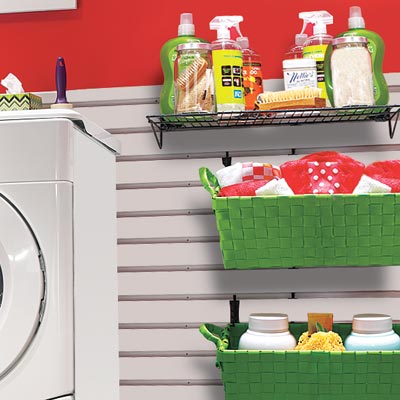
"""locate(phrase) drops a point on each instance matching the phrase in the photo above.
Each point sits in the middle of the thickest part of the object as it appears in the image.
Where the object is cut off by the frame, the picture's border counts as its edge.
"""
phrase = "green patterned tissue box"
(21, 101)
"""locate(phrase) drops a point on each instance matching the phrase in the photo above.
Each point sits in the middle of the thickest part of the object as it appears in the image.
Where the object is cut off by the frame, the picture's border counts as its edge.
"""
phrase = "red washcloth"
(326, 172)
(247, 188)
(387, 172)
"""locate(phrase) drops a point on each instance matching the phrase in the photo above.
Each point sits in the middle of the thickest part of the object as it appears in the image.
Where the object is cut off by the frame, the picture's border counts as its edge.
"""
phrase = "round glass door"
(21, 286)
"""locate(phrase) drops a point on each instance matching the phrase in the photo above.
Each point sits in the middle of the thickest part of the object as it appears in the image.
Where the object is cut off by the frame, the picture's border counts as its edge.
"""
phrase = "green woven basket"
(303, 375)
(306, 230)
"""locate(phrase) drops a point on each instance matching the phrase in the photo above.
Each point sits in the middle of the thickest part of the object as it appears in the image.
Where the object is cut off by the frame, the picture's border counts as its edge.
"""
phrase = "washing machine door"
(21, 286)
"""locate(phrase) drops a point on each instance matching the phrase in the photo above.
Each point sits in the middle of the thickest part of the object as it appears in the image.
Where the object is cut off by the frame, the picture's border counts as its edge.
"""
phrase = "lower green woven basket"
(303, 375)
(306, 230)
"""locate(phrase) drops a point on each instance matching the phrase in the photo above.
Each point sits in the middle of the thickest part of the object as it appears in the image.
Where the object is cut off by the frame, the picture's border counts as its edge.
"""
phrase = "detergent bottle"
(227, 65)
(186, 31)
(315, 46)
(376, 47)
(252, 74)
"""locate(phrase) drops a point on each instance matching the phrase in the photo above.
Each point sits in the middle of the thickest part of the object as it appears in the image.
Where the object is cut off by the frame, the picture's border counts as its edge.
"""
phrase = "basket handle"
(209, 181)
(215, 334)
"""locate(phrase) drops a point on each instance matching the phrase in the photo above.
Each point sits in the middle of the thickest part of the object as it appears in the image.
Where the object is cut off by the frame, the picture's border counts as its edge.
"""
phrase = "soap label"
(227, 65)
(252, 83)
(318, 53)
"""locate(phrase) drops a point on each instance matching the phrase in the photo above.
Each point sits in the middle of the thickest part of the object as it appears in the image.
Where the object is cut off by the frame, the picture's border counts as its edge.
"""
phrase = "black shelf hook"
(234, 309)
(227, 160)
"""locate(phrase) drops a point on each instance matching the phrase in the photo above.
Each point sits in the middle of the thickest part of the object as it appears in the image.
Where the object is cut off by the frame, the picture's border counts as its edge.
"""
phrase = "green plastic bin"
(306, 230)
(303, 375)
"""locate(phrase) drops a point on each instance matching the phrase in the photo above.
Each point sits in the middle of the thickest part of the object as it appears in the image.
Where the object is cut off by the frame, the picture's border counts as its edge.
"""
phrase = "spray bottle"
(227, 65)
(315, 46)
(168, 55)
(376, 47)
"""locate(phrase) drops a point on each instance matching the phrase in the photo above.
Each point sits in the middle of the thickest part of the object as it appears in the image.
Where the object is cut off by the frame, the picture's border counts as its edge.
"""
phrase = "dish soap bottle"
(252, 74)
(168, 55)
(296, 50)
(315, 46)
(227, 65)
(376, 47)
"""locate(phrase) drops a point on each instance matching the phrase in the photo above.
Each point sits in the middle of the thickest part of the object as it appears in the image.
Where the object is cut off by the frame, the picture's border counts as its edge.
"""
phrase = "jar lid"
(268, 323)
(194, 46)
(300, 63)
(349, 39)
(372, 323)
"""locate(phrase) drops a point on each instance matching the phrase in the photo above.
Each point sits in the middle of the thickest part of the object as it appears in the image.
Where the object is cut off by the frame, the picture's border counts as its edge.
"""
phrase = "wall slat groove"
(197, 239)
(174, 382)
(147, 354)
(170, 268)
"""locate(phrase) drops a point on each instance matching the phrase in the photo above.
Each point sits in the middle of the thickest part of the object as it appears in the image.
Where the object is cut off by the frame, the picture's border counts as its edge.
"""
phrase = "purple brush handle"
(61, 81)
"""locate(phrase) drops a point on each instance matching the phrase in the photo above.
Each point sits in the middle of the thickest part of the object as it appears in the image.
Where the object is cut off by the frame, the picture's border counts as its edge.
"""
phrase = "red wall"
(117, 43)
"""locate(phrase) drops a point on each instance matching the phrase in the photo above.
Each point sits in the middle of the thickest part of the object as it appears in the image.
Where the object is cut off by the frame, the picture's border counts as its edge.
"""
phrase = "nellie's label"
(300, 79)
(252, 83)
(228, 79)
(318, 53)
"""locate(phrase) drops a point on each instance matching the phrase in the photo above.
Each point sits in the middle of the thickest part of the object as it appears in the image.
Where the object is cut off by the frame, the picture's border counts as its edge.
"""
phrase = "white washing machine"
(58, 275)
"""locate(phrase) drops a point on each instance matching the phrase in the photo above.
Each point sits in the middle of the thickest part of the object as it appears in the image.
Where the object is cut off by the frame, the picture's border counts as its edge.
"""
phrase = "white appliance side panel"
(46, 370)
(35, 150)
(95, 280)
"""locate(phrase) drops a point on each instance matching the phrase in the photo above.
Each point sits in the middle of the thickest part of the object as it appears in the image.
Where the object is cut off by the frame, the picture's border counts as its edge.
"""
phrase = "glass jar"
(267, 332)
(351, 69)
(372, 332)
(193, 78)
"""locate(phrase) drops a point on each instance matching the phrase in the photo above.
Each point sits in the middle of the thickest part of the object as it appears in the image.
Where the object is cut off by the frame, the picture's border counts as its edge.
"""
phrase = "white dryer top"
(81, 122)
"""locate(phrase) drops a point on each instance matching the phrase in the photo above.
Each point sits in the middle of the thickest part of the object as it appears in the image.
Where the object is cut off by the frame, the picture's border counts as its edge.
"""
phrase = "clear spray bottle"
(227, 65)
(315, 46)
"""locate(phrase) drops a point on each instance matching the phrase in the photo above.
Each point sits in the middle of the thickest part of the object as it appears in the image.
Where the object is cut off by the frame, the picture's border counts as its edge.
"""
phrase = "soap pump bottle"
(252, 73)
(376, 47)
(296, 50)
(186, 33)
(315, 46)
(227, 65)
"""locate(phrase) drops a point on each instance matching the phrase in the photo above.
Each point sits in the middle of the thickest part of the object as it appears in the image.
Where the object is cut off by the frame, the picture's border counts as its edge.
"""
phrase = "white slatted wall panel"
(170, 268)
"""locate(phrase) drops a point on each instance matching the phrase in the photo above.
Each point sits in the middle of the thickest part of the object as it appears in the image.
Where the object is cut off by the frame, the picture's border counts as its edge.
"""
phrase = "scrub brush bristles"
(295, 98)
(288, 95)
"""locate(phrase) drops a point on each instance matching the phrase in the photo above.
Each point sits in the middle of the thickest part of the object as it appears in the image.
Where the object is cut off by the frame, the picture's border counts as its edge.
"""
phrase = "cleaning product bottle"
(168, 55)
(376, 47)
(296, 50)
(227, 65)
(252, 74)
(315, 46)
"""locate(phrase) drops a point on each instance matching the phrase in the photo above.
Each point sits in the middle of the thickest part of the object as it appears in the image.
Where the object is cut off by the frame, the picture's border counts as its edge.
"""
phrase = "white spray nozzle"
(319, 20)
(222, 24)
(356, 19)
(186, 26)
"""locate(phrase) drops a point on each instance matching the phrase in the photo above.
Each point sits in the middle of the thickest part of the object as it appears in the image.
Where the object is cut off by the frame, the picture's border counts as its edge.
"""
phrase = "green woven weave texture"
(306, 375)
(309, 230)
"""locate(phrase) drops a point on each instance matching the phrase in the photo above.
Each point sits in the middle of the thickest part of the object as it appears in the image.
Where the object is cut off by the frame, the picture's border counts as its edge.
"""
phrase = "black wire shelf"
(257, 118)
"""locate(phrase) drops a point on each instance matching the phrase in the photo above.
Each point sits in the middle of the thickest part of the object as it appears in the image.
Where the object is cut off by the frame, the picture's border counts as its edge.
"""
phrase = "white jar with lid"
(351, 70)
(373, 332)
(300, 73)
(267, 332)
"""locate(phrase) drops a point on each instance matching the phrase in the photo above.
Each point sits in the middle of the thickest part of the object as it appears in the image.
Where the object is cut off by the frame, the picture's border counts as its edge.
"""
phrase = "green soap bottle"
(376, 47)
(168, 55)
